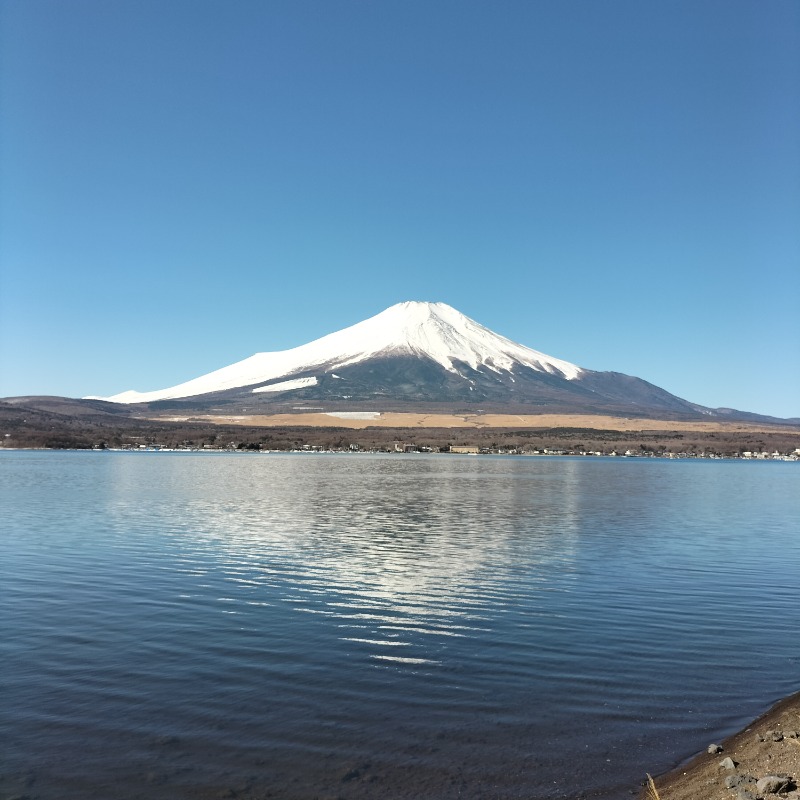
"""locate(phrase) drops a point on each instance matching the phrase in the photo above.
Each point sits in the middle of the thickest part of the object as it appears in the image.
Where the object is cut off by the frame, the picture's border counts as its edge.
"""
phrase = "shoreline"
(767, 746)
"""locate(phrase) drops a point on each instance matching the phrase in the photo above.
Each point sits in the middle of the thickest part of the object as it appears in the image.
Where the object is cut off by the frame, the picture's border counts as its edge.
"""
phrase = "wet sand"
(770, 745)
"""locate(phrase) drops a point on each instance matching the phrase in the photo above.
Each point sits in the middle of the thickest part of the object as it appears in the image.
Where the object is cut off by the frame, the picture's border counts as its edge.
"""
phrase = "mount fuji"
(422, 355)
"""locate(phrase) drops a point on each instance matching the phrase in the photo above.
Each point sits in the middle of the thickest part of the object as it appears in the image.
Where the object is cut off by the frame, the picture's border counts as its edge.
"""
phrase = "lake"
(364, 626)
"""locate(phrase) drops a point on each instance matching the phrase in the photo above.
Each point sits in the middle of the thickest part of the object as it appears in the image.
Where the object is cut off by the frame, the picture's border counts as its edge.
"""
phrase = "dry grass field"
(361, 420)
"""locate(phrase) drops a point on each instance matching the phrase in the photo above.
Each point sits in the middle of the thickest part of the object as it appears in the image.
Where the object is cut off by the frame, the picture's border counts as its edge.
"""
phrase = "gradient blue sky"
(186, 182)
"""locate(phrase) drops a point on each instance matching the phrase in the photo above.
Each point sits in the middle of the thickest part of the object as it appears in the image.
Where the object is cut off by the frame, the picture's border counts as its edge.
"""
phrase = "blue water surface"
(399, 626)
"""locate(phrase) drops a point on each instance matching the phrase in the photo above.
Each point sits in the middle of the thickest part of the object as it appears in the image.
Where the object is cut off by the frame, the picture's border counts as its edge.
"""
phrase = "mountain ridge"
(417, 354)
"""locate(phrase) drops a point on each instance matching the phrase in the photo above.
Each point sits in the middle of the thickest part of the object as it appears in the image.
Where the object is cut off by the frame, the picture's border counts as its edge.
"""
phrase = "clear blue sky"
(185, 183)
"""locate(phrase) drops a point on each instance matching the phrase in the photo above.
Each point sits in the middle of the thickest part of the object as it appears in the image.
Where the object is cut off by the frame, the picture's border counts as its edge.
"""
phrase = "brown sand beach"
(761, 761)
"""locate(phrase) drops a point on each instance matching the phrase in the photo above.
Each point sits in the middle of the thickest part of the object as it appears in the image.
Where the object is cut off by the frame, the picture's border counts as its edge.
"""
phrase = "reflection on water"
(399, 626)
(383, 548)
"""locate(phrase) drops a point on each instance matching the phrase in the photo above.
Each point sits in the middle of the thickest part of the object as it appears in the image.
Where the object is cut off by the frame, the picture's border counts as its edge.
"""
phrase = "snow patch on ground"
(297, 383)
(354, 414)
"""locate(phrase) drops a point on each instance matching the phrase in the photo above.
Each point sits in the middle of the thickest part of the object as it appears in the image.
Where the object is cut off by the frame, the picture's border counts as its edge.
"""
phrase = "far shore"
(51, 425)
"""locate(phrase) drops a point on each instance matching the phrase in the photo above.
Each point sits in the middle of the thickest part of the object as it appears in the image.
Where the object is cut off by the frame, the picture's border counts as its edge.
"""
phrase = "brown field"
(475, 421)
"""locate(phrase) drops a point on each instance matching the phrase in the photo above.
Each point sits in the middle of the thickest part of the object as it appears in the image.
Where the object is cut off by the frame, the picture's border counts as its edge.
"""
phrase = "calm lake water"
(278, 626)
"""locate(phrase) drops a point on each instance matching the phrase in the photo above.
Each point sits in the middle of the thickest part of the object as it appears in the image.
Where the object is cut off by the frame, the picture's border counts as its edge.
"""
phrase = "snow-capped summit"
(432, 331)
(447, 336)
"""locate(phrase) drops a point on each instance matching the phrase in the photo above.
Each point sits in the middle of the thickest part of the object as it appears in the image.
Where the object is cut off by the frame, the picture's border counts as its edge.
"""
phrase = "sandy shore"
(769, 746)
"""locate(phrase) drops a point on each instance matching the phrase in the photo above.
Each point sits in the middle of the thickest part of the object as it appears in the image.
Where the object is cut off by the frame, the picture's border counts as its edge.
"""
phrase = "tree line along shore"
(134, 434)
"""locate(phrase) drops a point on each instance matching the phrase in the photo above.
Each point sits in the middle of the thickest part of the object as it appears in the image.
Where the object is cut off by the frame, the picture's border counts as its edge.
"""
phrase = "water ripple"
(408, 627)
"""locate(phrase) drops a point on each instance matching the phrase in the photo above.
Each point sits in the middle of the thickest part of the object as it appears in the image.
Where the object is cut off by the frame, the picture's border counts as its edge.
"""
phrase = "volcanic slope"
(420, 355)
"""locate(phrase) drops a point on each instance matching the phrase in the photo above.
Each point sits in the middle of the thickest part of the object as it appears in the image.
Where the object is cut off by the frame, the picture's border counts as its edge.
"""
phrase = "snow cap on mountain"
(429, 330)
